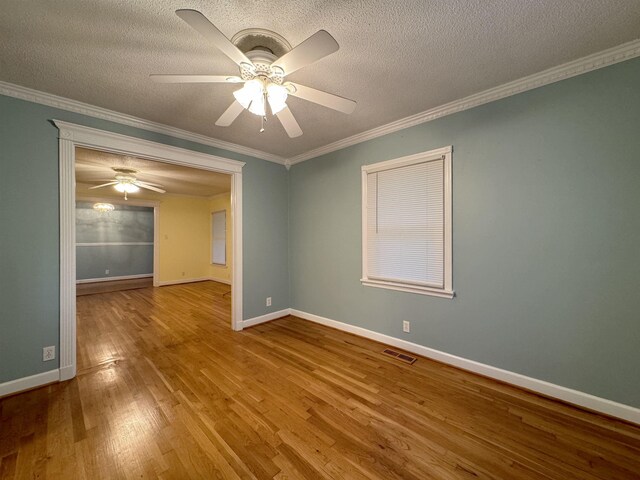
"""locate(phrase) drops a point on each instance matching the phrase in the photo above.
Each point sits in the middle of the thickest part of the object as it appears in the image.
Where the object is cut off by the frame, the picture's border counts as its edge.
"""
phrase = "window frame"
(447, 290)
(213, 249)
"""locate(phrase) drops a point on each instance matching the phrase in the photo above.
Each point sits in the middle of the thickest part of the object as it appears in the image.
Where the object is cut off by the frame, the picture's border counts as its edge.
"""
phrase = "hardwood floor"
(165, 389)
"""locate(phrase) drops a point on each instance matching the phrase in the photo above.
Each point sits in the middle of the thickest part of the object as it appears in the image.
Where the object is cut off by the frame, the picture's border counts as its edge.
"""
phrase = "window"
(406, 224)
(219, 237)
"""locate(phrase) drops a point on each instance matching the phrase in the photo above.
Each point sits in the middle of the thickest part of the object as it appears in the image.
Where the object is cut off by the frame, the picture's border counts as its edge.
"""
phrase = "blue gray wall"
(29, 230)
(546, 235)
(101, 236)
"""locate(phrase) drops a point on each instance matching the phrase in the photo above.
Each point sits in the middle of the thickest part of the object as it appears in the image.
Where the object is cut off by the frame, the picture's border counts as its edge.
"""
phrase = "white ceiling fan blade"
(317, 46)
(199, 22)
(149, 183)
(325, 99)
(230, 114)
(149, 187)
(289, 123)
(103, 185)
(195, 79)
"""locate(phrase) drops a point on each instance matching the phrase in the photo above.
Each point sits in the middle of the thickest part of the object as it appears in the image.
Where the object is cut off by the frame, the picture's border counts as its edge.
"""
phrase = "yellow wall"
(184, 235)
(217, 203)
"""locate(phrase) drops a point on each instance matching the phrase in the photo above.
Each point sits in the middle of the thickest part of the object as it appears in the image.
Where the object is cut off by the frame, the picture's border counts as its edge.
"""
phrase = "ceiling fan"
(263, 74)
(126, 182)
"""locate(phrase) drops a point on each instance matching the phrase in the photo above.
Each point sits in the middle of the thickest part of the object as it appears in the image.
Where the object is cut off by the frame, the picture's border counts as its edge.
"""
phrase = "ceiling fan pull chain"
(264, 117)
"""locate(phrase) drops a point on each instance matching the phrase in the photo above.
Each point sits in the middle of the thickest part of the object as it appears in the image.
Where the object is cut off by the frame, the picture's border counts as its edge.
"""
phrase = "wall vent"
(403, 357)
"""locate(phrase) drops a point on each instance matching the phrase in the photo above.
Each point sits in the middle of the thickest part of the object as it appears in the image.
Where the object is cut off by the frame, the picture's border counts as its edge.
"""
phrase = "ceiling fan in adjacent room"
(264, 64)
(126, 182)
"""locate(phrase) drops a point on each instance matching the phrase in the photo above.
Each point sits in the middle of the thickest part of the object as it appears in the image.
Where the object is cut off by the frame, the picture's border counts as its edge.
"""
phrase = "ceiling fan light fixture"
(257, 106)
(248, 94)
(103, 207)
(126, 187)
(277, 97)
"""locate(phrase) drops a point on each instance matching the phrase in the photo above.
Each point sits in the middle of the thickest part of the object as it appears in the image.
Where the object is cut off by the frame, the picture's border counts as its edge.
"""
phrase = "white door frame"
(71, 136)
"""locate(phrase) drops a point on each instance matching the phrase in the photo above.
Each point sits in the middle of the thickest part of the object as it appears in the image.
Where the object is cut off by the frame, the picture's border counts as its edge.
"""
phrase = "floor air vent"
(400, 356)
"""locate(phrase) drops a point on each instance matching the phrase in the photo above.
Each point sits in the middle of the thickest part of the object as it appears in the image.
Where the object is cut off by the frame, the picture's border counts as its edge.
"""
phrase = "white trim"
(237, 251)
(156, 244)
(446, 289)
(113, 279)
(72, 136)
(266, 318)
(220, 280)
(118, 201)
(565, 394)
(67, 188)
(115, 244)
(166, 283)
(602, 59)
(407, 287)
(407, 160)
(43, 98)
(123, 144)
(27, 383)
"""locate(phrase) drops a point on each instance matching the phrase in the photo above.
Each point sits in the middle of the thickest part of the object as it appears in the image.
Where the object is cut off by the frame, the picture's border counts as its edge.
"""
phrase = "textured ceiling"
(94, 168)
(395, 59)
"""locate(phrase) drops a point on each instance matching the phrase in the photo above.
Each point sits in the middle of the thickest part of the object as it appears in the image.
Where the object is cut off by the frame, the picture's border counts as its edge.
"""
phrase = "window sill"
(435, 292)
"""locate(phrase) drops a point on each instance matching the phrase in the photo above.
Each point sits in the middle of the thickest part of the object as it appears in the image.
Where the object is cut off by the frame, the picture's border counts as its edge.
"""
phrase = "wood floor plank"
(165, 389)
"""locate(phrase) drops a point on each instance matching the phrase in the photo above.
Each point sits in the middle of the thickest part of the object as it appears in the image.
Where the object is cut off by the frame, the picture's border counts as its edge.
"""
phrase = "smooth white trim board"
(568, 395)
(113, 279)
(184, 280)
(265, 318)
(220, 280)
(44, 98)
(27, 383)
(602, 59)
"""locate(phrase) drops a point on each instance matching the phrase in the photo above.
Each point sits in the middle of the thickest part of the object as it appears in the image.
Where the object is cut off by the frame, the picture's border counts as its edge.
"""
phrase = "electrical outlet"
(48, 353)
(106, 272)
(268, 301)
(406, 326)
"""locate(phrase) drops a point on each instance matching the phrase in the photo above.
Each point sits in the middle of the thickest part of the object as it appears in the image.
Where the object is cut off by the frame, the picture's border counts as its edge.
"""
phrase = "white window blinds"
(406, 223)
(219, 238)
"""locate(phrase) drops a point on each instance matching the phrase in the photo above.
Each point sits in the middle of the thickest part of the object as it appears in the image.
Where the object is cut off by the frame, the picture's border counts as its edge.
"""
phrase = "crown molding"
(614, 55)
(618, 54)
(43, 98)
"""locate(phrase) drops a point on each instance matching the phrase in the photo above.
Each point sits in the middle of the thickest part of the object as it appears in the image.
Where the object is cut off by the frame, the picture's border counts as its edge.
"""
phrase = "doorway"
(72, 136)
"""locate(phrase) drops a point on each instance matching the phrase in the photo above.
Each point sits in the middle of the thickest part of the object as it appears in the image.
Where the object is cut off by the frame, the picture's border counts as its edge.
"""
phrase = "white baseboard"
(67, 373)
(27, 383)
(265, 318)
(220, 280)
(178, 282)
(113, 279)
(568, 395)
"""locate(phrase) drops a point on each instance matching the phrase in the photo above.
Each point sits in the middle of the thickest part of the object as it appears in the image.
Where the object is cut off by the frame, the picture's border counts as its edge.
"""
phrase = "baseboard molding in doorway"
(265, 318)
(179, 282)
(29, 383)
